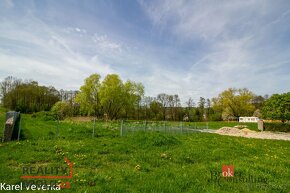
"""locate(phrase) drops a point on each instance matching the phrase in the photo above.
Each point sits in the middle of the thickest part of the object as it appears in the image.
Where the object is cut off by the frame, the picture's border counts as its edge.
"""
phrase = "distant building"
(249, 119)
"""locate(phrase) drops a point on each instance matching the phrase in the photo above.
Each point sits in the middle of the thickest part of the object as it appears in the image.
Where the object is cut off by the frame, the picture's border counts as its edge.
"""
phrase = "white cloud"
(195, 48)
(234, 33)
(45, 55)
(103, 42)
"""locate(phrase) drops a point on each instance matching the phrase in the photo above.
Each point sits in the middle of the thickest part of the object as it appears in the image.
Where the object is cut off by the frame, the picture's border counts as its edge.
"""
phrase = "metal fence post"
(206, 125)
(94, 126)
(121, 129)
(145, 124)
(18, 137)
(194, 125)
(57, 128)
(164, 124)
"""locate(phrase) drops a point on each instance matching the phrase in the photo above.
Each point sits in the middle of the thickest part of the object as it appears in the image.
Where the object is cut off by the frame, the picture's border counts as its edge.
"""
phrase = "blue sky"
(191, 48)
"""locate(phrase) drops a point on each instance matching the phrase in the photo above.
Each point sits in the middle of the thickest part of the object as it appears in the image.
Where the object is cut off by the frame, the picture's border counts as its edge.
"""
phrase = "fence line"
(160, 126)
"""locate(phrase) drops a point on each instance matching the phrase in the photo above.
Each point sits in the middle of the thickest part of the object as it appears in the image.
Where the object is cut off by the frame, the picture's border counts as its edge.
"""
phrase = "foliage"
(29, 97)
(8, 84)
(61, 110)
(88, 97)
(134, 93)
(111, 97)
(281, 127)
(234, 103)
(277, 107)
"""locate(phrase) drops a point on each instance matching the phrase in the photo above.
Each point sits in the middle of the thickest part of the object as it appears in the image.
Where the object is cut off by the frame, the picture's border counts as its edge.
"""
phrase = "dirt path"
(253, 134)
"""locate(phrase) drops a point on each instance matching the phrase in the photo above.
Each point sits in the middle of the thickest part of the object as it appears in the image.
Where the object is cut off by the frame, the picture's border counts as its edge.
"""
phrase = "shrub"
(60, 110)
(283, 127)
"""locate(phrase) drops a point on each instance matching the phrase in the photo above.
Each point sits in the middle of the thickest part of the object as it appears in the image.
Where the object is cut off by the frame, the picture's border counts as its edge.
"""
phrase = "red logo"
(228, 171)
(62, 184)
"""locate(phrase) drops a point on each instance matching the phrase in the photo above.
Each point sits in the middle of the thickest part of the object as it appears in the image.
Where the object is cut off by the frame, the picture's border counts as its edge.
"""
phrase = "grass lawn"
(147, 162)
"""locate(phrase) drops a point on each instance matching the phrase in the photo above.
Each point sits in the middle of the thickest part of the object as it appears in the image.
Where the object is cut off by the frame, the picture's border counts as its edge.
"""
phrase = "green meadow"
(148, 161)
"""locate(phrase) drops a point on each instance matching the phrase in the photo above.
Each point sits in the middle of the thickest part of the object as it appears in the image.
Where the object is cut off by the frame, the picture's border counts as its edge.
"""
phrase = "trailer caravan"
(248, 119)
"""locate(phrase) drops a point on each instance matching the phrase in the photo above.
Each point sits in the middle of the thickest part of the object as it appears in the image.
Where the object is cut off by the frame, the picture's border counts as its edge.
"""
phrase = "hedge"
(283, 127)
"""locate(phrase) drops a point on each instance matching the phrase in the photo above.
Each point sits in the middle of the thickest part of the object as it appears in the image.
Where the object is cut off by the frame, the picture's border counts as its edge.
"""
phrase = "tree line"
(113, 98)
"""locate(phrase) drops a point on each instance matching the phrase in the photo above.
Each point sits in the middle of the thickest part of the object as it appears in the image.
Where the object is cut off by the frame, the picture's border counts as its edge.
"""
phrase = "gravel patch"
(231, 131)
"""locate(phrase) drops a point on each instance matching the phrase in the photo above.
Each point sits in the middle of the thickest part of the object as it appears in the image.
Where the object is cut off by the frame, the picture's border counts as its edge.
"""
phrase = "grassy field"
(147, 161)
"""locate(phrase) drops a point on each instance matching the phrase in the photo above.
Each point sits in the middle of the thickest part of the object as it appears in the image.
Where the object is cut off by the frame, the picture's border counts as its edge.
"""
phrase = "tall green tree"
(134, 93)
(88, 97)
(277, 107)
(113, 96)
(234, 103)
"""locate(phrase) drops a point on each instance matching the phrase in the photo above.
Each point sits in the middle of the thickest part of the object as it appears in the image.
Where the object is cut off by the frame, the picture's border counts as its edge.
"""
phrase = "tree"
(29, 97)
(201, 107)
(234, 103)
(7, 85)
(258, 102)
(173, 105)
(189, 108)
(61, 110)
(134, 93)
(112, 96)
(88, 97)
(277, 107)
(163, 100)
(145, 105)
(156, 108)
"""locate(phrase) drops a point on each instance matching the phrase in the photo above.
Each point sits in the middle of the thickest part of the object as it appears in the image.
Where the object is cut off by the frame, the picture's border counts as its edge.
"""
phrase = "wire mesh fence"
(88, 127)
(162, 126)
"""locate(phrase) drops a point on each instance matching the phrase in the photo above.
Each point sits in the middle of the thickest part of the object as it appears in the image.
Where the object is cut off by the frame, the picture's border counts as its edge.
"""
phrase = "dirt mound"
(241, 126)
(252, 134)
(228, 130)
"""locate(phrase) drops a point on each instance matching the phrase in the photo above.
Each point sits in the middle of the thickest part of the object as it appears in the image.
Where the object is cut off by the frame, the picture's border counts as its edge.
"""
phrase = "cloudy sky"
(192, 48)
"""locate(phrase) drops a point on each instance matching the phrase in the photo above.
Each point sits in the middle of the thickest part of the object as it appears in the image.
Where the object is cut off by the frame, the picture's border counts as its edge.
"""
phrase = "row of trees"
(27, 96)
(113, 98)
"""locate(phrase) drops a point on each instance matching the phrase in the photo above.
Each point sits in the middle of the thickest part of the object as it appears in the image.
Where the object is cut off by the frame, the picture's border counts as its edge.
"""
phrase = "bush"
(283, 127)
(61, 110)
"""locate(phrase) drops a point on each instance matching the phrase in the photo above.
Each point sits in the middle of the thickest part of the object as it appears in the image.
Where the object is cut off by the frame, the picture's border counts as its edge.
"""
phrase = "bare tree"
(8, 84)
(164, 100)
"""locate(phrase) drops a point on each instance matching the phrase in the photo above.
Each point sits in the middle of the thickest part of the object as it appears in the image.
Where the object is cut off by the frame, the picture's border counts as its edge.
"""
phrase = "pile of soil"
(253, 134)
(228, 131)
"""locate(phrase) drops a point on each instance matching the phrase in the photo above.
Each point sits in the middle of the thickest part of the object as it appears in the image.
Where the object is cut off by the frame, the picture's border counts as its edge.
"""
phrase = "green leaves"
(88, 98)
(234, 102)
(277, 107)
(111, 98)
